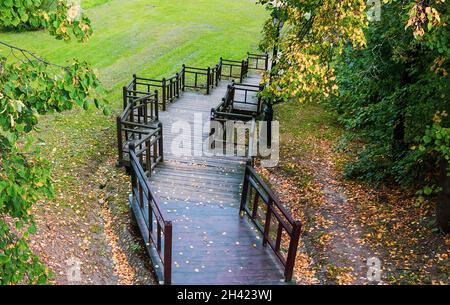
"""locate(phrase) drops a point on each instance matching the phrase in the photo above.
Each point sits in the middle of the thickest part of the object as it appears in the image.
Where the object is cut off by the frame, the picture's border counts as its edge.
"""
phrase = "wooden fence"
(202, 79)
(155, 229)
(237, 104)
(280, 231)
(138, 124)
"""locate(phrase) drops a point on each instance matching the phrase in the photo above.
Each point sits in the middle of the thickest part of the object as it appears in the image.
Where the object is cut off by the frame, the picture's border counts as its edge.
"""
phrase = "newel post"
(183, 78)
(168, 253)
(292, 253)
(208, 80)
(245, 189)
(164, 93)
(132, 150)
(125, 98)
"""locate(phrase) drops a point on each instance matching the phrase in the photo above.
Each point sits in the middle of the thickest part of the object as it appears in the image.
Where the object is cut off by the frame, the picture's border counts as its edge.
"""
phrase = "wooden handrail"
(275, 210)
(170, 88)
(146, 207)
(254, 183)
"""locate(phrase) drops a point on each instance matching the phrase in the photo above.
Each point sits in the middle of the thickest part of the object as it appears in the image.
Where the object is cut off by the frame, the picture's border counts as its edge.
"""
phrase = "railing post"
(119, 139)
(168, 253)
(217, 75)
(242, 72)
(134, 85)
(178, 85)
(132, 148)
(183, 78)
(161, 142)
(267, 61)
(125, 99)
(208, 80)
(164, 93)
(156, 105)
(292, 253)
(244, 190)
(171, 91)
(267, 222)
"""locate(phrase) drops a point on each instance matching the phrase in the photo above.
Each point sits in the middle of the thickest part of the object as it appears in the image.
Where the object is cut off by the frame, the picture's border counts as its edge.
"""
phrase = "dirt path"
(333, 250)
(347, 224)
(344, 254)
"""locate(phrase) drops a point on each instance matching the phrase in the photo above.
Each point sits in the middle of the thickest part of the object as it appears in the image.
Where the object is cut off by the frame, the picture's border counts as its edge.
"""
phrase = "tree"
(30, 87)
(387, 80)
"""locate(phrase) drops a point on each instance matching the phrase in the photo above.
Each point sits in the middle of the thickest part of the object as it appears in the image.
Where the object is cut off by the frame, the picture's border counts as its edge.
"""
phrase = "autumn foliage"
(387, 78)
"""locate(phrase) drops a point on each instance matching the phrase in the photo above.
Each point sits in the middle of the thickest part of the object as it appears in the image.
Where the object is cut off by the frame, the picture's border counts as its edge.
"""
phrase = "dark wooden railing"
(198, 78)
(281, 232)
(235, 96)
(195, 78)
(234, 69)
(154, 226)
(258, 62)
(242, 91)
(168, 88)
(138, 124)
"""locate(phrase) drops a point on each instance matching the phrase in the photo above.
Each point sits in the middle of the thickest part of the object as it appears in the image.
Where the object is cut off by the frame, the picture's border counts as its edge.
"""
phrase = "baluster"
(178, 85)
(208, 76)
(255, 204)
(155, 152)
(168, 253)
(141, 195)
(141, 155)
(132, 150)
(158, 237)
(184, 78)
(164, 93)
(149, 157)
(150, 215)
(292, 252)
(125, 99)
(245, 189)
(161, 142)
(119, 139)
(171, 90)
(279, 235)
(146, 105)
(241, 79)
(156, 107)
(267, 222)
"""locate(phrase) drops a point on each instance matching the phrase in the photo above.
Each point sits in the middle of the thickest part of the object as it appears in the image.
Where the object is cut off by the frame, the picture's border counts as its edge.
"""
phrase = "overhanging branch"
(29, 56)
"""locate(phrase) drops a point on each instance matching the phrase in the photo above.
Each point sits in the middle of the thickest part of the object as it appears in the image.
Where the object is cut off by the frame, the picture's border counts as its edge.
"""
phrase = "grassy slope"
(155, 37)
(148, 37)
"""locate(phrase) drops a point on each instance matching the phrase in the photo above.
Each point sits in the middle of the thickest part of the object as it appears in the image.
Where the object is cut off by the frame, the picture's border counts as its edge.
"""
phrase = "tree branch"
(29, 56)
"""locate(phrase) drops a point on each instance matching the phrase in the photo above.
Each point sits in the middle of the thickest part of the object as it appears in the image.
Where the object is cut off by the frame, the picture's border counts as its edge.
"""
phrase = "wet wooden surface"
(212, 244)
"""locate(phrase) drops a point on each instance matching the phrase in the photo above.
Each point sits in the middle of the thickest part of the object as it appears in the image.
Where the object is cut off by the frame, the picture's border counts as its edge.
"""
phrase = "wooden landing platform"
(212, 244)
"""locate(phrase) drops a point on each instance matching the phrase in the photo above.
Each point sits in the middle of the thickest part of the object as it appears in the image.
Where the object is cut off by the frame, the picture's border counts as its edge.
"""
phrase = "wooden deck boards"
(212, 244)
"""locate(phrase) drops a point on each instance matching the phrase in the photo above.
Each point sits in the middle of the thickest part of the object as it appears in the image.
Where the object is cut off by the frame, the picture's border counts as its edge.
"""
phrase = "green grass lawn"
(149, 37)
(154, 37)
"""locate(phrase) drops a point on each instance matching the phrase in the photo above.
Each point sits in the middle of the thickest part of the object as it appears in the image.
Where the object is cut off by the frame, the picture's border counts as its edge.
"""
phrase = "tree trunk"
(443, 201)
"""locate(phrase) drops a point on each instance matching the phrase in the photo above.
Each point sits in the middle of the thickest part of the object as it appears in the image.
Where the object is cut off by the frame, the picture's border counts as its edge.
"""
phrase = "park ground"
(345, 222)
